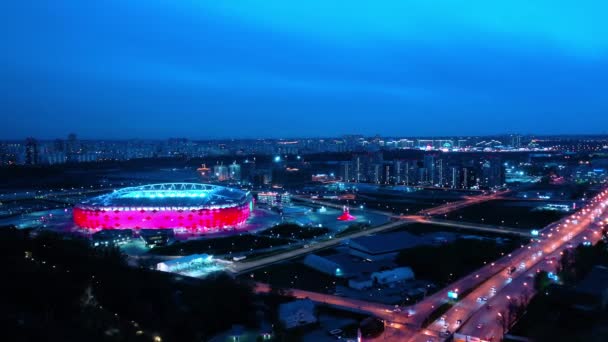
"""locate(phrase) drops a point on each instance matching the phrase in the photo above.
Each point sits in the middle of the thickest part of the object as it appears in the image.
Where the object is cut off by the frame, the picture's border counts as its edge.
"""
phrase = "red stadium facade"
(194, 207)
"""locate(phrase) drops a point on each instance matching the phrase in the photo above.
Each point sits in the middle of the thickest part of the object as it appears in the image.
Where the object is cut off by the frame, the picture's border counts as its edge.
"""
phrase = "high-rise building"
(72, 148)
(235, 171)
(31, 151)
(346, 171)
(59, 145)
(221, 172)
(515, 140)
(398, 171)
(360, 165)
(492, 172)
(430, 165)
(469, 177)
(440, 173)
(376, 173)
(410, 175)
(454, 177)
(423, 176)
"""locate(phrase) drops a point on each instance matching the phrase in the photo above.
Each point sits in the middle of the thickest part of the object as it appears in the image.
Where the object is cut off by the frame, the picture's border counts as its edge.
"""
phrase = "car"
(335, 332)
(482, 299)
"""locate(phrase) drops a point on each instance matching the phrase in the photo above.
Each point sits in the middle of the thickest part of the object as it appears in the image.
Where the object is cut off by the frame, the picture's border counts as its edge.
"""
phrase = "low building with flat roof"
(383, 246)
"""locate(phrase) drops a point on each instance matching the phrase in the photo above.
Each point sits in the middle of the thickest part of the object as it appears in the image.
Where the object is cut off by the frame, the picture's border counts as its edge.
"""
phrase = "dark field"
(293, 274)
(427, 228)
(506, 213)
(294, 231)
(223, 245)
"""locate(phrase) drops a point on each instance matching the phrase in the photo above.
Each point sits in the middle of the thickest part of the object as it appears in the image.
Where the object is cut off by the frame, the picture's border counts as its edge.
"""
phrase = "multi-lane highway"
(477, 314)
(581, 228)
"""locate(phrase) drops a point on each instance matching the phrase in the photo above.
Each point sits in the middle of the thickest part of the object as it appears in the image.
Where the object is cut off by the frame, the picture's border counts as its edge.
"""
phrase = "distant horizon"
(318, 137)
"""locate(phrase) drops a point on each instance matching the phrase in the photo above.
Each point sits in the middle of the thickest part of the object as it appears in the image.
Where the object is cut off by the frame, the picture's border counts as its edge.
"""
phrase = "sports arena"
(195, 207)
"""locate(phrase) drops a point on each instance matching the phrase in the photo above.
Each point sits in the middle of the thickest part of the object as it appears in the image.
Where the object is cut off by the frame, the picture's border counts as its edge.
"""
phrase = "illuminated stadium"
(190, 206)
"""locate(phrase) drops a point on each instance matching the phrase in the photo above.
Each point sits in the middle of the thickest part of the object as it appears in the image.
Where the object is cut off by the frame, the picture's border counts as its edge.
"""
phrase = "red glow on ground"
(346, 216)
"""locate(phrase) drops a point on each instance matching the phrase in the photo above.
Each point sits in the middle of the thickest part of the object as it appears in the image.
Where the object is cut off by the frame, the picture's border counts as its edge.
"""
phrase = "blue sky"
(204, 69)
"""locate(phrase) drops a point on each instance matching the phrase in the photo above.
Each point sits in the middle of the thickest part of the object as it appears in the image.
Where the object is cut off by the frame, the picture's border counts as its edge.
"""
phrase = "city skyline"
(214, 70)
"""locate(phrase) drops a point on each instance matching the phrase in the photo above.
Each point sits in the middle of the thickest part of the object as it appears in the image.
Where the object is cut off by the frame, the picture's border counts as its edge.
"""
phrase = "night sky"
(240, 68)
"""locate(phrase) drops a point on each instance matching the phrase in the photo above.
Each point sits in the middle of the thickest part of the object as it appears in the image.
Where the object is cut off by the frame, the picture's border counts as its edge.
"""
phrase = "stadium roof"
(171, 195)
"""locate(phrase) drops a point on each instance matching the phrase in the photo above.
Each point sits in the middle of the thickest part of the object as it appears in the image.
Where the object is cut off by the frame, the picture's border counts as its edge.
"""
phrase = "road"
(379, 310)
(252, 265)
(488, 323)
(242, 267)
(339, 206)
(537, 255)
(468, 200)
(471, 226)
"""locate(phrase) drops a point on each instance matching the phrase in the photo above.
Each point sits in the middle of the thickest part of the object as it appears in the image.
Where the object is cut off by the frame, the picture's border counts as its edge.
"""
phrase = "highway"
(471, 316)
(488, 323)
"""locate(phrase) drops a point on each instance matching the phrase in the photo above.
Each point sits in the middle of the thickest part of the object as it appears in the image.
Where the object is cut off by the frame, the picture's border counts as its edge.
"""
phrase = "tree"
(503, 321)
(512, 310)
(541, 281)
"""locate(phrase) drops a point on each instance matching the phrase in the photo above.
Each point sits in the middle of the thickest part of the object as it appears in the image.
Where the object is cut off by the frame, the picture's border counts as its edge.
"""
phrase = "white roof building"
(179, 264)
